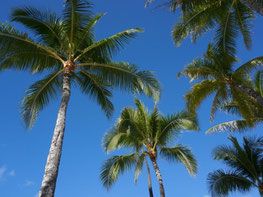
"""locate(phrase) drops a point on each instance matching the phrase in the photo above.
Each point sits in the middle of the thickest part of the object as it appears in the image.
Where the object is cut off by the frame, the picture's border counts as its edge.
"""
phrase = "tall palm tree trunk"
(159, 176)
(254, 94)
(51, 170)
(254, 5)
(149, 178)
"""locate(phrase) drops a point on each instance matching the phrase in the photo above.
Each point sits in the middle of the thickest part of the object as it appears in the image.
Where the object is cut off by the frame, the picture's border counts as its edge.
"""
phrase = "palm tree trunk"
(254, 5)
(51, 170)
(159, 176)
(254, 94)
(149, 178)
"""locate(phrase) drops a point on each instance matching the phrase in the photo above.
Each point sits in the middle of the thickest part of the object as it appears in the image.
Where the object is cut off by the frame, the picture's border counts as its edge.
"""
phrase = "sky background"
(23, 152)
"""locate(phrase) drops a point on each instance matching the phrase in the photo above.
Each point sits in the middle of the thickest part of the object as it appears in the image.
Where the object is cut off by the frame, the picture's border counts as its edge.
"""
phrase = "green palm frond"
(20, 52)
(126, 77)
(45, 25)
(249, 66)
(153, 121)
(138, 168)
(226, 34)
(76, 16)
(115, 166)
(171, 126)
(96, 88)
(88, 32)
(221, 182)
(195, 22)
(181, 154)
(38, 96)
(258, 85)
(244, 18)
(202, 69)
(220, 97)
(112, 44)
(199, 92)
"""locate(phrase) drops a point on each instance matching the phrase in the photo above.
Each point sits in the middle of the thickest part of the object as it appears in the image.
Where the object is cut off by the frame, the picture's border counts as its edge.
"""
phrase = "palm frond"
(221, 183)
(44, 24)
(226, 34)
(38, 96)
(18, 51)
(199, 92)
(76, 16)
(195, 22)
(202, 69)
(258, 82)
(171, 126)
(112, 44)
(220, 97)
(88, 32)
(249, 66)
(138, 168)
(126, 77)
(235, 126)
(244, 18)
(115, 166)
(183, 155)
(96, 88)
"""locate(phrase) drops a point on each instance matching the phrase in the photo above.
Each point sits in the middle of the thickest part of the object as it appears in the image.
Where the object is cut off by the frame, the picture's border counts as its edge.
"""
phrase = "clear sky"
(23, 152)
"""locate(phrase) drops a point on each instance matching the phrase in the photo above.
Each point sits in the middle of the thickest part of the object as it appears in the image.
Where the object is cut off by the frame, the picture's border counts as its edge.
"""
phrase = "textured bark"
(51, 170)
(159, 176)
(250, 92)
(149, 178)
(254, 5)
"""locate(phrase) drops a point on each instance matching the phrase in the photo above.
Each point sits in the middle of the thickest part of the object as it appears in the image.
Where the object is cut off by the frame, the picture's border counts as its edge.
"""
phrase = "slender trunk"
(254, 5)
(254, 94)
(51, 170)
(159, 176)
(149, 178)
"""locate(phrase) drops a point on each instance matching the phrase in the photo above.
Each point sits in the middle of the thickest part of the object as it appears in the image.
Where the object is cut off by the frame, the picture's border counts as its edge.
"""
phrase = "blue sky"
(23, 152)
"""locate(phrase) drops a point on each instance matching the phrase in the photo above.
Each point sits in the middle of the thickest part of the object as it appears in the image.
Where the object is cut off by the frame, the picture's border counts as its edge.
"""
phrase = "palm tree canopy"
(252, 119)
(245, 164)
(138, 129)
(67, 42)
(215, 75)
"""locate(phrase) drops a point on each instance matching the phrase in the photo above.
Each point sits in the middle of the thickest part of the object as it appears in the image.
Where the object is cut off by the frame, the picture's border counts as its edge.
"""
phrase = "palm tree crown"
(68, 43)
(215, 73)
(148, 134)
(245, 168)
(252, 119)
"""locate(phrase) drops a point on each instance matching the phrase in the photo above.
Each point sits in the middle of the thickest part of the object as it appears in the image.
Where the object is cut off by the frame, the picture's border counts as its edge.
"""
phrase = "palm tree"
(215, 74)
(245, 164)
(65, 47)
(235, 109)
(149, 133)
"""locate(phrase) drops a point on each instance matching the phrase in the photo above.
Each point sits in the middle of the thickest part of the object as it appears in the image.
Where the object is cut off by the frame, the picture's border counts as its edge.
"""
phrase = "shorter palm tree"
(246, 168)
(147, 134)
